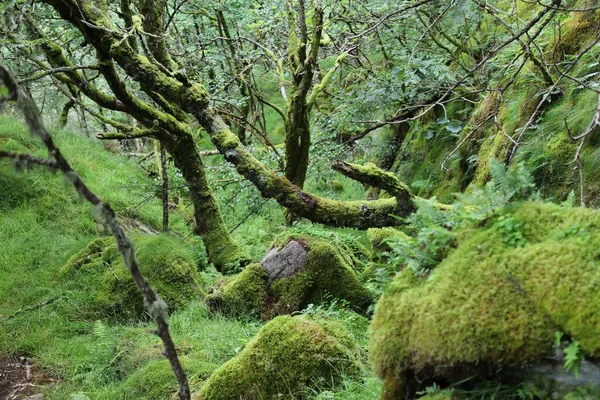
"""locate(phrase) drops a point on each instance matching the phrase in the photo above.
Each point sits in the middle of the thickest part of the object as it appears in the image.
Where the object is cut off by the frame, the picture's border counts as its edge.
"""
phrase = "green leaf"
(454, 126)
(573, 357)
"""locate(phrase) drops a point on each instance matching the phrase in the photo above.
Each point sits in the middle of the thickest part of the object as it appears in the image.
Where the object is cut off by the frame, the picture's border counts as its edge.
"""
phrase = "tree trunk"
(222, 251)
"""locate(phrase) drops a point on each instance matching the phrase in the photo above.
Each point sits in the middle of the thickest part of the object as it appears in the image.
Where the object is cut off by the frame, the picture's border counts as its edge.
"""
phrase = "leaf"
(573, 357)
(454, 126)
(428, 134)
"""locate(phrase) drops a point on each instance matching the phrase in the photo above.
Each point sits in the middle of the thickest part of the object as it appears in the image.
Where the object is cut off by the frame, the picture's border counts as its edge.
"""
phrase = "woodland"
(294, 199)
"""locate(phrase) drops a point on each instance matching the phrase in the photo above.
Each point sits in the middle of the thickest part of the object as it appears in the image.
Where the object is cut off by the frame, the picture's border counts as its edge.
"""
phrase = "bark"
(165, 187)
(222, 250)
(194, 99)
(174, 132)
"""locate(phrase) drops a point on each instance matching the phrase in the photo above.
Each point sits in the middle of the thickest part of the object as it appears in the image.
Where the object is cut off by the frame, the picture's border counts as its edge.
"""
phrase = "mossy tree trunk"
(182, 96)
(164, 121)
(302, 63)
(222, 250)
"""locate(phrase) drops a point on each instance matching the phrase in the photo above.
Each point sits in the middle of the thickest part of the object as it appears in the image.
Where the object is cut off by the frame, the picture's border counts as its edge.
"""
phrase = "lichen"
(288, 355)
(108, 290)
(488, 302)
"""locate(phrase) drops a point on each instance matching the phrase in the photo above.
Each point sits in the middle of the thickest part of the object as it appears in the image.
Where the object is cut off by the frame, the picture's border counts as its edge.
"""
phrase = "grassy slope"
(43, 223)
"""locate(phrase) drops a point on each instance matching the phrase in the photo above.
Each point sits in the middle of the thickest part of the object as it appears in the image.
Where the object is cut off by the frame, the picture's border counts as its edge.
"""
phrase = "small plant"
(511, 231)
(572, 353)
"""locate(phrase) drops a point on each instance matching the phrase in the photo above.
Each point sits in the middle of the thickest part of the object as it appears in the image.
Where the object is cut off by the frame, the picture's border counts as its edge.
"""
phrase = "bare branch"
(155, 306)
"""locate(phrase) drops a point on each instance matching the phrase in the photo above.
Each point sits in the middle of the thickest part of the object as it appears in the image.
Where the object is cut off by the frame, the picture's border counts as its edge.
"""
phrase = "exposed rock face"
(284, 262)
(287, 355)
(493, 305)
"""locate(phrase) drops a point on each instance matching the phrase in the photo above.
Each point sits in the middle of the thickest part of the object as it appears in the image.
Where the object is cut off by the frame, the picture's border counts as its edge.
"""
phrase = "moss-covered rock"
(328, 272)
(242, 295)
(299, 270)
(488, 302)
(379, 239)
(156, 380)
(288, 355)
(105, 288)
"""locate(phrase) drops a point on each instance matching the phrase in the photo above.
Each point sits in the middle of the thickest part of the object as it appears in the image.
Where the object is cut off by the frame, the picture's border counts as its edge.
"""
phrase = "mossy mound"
(299, 270)
(156, 380)
(379, 237)
(328, 273)
(439, 396)
(103, 288)
(243, 294)
(287, 355)
(489, 302)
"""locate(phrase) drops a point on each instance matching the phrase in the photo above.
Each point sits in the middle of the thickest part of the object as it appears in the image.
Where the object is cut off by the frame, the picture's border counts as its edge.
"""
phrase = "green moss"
(287, 355)
(243, 295)
(108, 289)
(328, 273)
(488, 301)
(156, 380)
(378, 237)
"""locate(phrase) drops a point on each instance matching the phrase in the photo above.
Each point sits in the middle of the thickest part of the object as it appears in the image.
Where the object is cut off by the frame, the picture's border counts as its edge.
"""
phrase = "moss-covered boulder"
(497, 299)
(156, 381)
(287, 356)
(241, 295)
(298, 270)
(101, 287)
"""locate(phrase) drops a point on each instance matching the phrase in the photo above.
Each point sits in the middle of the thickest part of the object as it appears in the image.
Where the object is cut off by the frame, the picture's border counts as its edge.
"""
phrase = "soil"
(19, 378)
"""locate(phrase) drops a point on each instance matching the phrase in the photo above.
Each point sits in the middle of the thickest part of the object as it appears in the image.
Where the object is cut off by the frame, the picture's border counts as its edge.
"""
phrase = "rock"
(296, 272)
(496, 301)
(244, 295)
(287, 355)
(284, 262)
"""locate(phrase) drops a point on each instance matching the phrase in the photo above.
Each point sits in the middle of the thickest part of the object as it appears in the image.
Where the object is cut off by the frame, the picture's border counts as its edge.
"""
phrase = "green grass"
(43, 223)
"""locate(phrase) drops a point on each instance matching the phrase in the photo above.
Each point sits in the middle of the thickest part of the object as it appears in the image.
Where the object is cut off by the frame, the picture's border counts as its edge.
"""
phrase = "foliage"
(488, 302)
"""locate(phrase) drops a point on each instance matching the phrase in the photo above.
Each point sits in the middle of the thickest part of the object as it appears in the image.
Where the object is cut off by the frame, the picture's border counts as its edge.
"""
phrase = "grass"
(43, 223)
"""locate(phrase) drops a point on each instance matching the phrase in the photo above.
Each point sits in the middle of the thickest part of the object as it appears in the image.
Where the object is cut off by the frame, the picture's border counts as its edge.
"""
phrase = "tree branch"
(155, 306)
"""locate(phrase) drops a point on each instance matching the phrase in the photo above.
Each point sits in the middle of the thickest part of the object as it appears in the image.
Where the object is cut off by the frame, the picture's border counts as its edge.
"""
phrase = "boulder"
(287, 356)
(296, 272)
(102, 287)
(495, 302)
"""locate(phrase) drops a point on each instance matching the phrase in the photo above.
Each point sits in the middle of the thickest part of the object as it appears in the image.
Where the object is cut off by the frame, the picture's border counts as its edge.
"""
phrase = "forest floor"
(19, 378)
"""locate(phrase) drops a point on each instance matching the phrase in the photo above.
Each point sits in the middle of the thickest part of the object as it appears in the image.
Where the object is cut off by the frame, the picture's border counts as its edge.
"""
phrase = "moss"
(287, 355)
(378, 237)
(488, 302)
(243, 295)
(329, 272)
(156, 380)
(108, 290)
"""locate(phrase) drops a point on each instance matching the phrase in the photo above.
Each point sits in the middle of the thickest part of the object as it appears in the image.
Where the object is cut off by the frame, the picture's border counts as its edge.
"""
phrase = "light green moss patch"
(288, 355)
(156, 380)
(244, 294)
(495, 299)
(108, 289)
